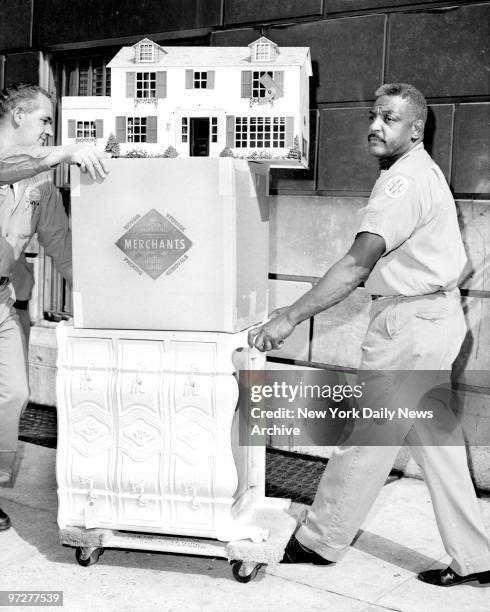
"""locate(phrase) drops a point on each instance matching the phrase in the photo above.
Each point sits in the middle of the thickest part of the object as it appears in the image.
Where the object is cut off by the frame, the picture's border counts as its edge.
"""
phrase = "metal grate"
(292, 476)
(38, 425)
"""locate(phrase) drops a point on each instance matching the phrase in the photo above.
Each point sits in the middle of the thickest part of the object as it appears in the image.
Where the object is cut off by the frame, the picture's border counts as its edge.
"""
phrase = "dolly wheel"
(88, 556)
(241, 573)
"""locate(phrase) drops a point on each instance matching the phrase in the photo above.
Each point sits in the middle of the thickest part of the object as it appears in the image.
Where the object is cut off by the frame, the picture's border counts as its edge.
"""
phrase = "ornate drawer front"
(193, 371)
(90, 387)
(84, 351)
(138, 390)
(139, 510)
(140, 355)
(139, 376)
(192, 516)
(91, 363)
(91, 431)
(85, 508)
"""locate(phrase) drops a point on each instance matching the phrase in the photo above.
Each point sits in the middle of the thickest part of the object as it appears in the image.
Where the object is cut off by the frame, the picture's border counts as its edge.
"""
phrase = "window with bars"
(136, 129)
(146, 84)
(146, 52)
(86, 129)
(214, 129)
(100, 80)
(70, 75)
(260, 132)
(84, 76)
(200, 80)
(262, 52)
(185, 129)
(258, 89)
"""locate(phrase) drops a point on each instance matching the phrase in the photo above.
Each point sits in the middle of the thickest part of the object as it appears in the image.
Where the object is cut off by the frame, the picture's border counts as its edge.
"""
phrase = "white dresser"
(148, 433)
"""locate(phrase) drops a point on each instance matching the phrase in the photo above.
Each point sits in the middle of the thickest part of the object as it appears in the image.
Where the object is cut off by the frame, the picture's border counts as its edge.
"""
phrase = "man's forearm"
(338, 282)
(17, 163)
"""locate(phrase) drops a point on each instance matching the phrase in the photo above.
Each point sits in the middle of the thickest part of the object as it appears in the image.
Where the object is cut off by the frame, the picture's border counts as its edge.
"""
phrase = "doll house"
(246, 102)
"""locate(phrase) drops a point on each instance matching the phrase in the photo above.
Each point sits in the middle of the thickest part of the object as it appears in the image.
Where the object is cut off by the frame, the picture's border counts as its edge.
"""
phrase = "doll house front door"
(199, 137)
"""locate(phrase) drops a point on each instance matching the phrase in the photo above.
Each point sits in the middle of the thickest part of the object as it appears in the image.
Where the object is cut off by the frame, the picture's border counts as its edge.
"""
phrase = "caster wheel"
(88, 556)
(241, 573)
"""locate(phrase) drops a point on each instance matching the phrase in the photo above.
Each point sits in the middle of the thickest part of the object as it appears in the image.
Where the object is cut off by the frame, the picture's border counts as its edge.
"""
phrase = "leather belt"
(4, 280)
(423, 295)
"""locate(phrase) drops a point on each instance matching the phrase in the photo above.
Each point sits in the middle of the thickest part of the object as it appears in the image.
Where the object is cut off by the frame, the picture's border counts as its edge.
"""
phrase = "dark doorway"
(199, 137)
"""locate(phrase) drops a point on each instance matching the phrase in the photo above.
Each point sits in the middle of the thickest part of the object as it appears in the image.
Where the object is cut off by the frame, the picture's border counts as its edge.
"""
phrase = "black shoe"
(297, 553)
(4, 521)
(448, 577)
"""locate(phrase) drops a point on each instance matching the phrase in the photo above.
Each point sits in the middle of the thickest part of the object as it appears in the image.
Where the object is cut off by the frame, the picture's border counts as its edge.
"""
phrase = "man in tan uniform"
(29, 203)
(409, 253)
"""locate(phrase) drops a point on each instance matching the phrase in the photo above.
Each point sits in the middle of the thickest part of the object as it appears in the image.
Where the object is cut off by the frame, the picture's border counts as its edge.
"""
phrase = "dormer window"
(262, 52)
(146, 52)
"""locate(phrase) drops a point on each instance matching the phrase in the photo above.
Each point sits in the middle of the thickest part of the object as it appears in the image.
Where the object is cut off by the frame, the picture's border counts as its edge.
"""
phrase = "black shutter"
(230, 131)
(151, 128)
(161, 85)
(246, 84)
(121, 129)
(130, 85)
(99, 128)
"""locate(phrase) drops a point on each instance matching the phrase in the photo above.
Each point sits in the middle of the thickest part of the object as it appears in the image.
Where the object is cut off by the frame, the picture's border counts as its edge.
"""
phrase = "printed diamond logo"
(154, 243)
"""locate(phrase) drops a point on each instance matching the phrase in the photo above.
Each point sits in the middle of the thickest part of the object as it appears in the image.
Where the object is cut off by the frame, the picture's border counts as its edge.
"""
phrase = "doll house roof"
(147, 53)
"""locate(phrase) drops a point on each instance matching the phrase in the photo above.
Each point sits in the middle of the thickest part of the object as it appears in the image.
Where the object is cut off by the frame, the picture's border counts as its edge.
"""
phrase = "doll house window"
(260, 132)
(146, 84)
(200, 80)
(85, 129)
(146, 52)
(258, 88)
(262, 52)
(137, 131)
(185, 129)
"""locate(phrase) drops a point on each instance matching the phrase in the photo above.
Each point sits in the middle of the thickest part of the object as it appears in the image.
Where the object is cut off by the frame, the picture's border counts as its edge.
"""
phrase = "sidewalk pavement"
(399, 538)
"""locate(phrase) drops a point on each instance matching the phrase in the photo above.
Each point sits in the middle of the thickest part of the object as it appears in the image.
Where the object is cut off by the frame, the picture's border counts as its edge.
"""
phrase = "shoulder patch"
(396, 186)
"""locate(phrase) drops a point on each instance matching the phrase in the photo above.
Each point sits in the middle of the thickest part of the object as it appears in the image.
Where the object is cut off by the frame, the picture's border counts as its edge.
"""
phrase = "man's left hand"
(271, 335)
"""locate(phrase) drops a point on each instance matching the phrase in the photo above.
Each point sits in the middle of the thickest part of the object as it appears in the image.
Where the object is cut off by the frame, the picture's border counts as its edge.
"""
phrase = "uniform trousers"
(404, 333)
(14, 389)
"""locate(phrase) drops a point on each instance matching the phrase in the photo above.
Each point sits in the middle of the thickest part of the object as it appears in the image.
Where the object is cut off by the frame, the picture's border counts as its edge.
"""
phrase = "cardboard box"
(171, 244)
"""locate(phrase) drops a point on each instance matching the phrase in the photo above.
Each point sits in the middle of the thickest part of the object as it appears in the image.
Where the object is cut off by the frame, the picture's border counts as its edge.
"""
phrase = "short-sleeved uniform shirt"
(29, 205)
(412, 208)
